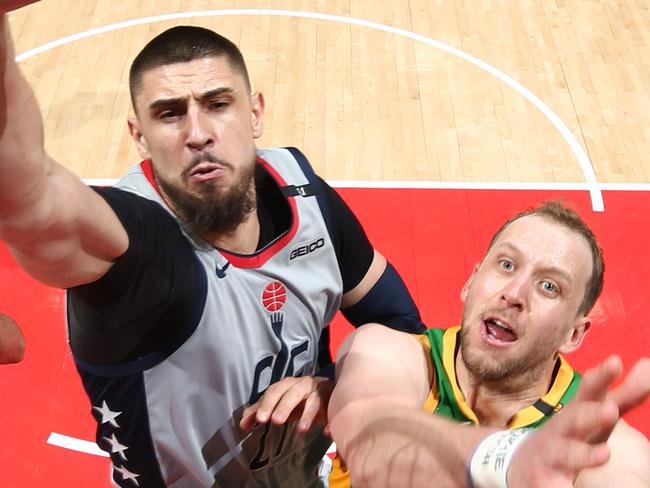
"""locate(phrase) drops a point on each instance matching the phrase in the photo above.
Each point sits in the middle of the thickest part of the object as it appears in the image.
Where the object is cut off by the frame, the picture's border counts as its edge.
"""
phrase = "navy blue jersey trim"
(152, 359)
(544, 407)
(315, 187)
(119, 406)
(387, 302)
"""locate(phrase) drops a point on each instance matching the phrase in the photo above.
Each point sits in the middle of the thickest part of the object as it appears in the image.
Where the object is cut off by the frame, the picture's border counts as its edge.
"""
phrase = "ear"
(465, 290)
(257, 114)
(577, 335)
(141, 143)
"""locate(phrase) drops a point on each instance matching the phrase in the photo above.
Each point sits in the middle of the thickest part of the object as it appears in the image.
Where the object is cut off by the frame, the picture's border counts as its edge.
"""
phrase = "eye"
(218, 105)
(550, 287)
(168, 115)
(506, 265)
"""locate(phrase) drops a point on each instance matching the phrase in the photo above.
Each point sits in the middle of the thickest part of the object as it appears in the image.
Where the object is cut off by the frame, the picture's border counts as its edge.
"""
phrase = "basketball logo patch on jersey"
(274, 296)
(282, 362)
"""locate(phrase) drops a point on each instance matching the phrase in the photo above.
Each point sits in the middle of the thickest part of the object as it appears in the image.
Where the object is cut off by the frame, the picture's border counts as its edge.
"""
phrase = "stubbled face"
(197, 122)
(521, 303)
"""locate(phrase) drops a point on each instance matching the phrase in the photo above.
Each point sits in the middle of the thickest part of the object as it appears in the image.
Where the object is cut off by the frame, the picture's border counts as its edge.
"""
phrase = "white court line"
(592, 184)
(88, 447)
(75, 444)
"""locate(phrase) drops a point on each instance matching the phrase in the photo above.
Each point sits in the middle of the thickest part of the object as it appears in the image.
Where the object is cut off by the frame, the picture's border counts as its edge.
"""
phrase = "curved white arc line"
(75, 444)
(583, 160)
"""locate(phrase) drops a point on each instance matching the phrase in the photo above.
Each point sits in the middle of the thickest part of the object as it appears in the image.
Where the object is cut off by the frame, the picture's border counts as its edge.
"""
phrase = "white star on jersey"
(116, 447)
(127, 475)
(107, 414)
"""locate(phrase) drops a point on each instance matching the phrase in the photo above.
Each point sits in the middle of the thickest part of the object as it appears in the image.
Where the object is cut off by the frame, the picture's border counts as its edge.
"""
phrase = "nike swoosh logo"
(221, 272)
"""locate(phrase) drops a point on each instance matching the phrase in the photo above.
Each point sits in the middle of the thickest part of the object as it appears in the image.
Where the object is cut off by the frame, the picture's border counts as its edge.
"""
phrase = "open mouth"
(498, 330)
(206, 171)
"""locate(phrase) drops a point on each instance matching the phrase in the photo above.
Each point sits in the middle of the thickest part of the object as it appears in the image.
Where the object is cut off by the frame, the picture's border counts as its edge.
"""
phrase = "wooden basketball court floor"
(436, 119)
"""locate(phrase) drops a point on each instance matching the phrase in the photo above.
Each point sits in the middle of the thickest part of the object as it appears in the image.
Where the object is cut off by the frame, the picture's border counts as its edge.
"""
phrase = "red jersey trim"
(259, 258)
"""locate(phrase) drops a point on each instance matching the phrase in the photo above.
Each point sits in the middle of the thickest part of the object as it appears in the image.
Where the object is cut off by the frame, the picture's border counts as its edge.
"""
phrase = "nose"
(199, 129)
(515, 292)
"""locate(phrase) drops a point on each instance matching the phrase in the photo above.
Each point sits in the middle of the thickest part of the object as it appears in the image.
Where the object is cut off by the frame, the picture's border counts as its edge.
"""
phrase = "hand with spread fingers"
(302, 399)
(576, 440)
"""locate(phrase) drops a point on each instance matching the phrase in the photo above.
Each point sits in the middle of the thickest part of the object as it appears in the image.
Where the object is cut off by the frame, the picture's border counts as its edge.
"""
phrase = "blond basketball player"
(525, 305)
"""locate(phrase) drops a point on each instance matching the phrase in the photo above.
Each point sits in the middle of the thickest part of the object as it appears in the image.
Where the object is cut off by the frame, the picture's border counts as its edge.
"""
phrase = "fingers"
(590, 422)
(283, 401)
(260, 412)
(249, 419)
(561, 448)
(635, 389)
(580, 455)
(583, 420)
(310, 411)
(596, 381)
(290, 399)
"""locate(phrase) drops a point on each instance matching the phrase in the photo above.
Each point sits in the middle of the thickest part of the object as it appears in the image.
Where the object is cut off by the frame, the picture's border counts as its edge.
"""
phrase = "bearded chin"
(214, 210)
(505, 371)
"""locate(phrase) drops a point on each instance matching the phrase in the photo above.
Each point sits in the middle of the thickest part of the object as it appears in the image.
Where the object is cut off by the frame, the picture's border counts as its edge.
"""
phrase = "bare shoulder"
(379, 338)
(629, 461)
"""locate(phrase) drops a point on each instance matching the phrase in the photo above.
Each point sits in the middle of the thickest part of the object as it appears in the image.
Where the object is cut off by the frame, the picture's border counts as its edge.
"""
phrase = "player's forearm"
(23, 163)
(388, 445)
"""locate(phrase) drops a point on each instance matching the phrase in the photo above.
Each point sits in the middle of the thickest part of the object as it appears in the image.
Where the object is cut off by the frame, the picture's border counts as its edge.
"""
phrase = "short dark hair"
(182, 44)
(557, 211)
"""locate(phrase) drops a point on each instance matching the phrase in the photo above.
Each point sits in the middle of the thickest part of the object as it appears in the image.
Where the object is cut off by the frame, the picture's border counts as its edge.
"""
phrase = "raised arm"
(386, 439)
(59, 230)
(377, 419)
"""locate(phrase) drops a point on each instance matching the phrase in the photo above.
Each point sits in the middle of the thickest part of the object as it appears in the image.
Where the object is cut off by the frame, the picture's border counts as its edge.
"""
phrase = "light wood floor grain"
(369, 104)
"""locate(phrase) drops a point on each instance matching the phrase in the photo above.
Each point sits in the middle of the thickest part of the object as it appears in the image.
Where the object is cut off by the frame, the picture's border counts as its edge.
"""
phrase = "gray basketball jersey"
(171, 419)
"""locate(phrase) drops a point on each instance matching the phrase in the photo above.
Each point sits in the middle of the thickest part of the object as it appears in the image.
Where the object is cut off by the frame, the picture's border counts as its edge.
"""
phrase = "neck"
(496, 402)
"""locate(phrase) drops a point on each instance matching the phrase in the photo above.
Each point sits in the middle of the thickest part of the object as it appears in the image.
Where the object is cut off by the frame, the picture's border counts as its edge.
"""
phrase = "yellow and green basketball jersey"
(445, 397)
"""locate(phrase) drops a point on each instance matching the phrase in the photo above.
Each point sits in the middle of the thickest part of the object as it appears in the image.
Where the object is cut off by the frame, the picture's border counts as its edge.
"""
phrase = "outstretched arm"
(377, 419)
(576, 439)
(386, 439)
(59, 230)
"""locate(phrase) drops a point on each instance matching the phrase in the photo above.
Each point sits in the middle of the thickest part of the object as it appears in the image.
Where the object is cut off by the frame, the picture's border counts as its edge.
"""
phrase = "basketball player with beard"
(209, 272)
(525, 305)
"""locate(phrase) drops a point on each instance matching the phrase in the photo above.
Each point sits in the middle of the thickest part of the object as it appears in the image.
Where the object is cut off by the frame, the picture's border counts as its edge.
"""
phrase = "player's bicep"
(377, 267)
(376, 361)
(67, 236)
(378, 370)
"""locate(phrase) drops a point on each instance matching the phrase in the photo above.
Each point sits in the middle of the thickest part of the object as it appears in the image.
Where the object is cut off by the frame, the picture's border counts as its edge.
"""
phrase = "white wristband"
(488, 467)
